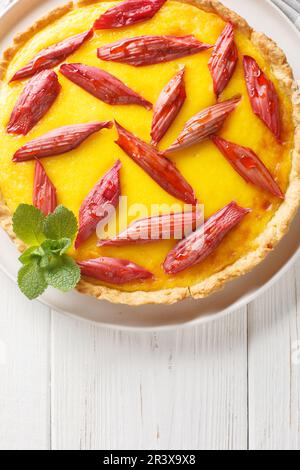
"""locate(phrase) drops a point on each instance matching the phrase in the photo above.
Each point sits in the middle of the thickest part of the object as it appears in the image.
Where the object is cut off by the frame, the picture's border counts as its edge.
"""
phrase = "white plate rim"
(201, 319)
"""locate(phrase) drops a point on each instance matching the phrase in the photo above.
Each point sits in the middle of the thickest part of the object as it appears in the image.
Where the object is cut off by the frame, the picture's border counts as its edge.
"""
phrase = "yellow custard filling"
(215, 182)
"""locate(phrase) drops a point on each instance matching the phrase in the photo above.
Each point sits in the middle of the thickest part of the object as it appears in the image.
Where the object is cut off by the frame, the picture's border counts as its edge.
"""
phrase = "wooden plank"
(274, 381)
(24, 367)
(169, 390)
(24, 371)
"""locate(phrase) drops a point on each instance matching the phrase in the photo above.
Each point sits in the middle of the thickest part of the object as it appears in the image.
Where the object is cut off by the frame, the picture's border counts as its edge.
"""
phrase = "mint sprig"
(28, 224)
(61, 224)
(45, 262)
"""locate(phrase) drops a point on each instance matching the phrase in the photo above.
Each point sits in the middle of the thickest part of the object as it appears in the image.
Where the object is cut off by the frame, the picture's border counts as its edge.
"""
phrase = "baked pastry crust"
(276, 228)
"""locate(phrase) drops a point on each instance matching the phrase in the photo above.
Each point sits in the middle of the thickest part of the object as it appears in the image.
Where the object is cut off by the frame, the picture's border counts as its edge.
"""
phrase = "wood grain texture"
(173, 390)
(24, 371)
(274, 381)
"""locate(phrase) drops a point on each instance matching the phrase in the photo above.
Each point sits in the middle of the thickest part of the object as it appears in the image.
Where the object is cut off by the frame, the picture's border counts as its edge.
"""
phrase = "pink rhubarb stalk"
(128, 13)
(248, 165)
(35, 101)
(44, 192)
(223, 60)
(161, 227)
(168, 106)
(53, 55)
(263, 96)
(102, 85)
(204, 124)
(158, 167)
(114, 271)
(97, 204)
(58, 141)
(200, 244)
(148, 50)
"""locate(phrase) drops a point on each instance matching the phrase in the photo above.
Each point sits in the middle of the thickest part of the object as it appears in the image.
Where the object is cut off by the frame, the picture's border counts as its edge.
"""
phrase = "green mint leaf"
(51, 251)
(56, 247)
(65, 244)
(29, 255)
(46, 261)
(32, 281)
(64, 275)
(28, 222)
(61, 224)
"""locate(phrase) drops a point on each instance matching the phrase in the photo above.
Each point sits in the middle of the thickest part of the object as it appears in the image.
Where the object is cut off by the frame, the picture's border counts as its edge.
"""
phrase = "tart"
(224, 131)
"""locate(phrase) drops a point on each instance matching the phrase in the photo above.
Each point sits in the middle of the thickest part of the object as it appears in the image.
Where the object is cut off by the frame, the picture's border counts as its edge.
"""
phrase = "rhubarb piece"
(204, 124)
(58, 141)
(200, 244)
(53, 55)
(102, 85)
(263, 96)
(95, 207)
(161, 227)
(44, 192)
(248, 165)
(35, 101)
(114, 271)
(156, 165)
(168, 106)
(223, 60)
(148, 50)
(128, 13)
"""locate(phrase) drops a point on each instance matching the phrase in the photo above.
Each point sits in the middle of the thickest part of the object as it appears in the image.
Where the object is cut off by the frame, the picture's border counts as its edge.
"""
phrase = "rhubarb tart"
(170, 129)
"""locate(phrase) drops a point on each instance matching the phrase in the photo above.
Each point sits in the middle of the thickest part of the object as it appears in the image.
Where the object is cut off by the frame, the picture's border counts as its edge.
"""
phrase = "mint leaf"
(64, 275)
(46, 263)
(51, 250)
(29, 255)
(32, 281)
(61, 224)
(46, 251)
(28, 222)
(57, 247)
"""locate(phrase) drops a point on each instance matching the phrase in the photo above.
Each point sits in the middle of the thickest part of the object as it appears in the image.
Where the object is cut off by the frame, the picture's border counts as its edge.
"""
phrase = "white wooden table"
(230, 384)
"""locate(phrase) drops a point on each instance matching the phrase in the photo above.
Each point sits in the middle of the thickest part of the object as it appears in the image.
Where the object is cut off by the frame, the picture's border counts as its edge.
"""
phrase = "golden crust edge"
(21, 38)
(276, 228)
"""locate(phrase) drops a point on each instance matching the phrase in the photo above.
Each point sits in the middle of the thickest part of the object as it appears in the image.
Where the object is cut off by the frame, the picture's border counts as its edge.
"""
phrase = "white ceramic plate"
(263, 16)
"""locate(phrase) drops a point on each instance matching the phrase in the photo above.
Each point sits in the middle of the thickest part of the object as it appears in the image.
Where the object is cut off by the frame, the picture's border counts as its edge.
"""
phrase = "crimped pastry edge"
(276, 228)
